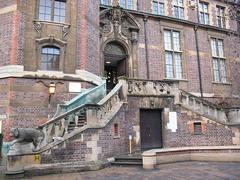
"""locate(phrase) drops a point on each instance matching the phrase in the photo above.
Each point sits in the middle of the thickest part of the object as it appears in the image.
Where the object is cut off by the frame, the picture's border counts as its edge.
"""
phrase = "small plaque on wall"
(74, 87)
(172, 125)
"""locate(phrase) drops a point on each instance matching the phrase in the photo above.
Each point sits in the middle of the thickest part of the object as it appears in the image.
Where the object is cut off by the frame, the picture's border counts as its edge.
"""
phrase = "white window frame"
(174, 52)
(179, 7)
(218, 61)
(160, 3)
(203, 12)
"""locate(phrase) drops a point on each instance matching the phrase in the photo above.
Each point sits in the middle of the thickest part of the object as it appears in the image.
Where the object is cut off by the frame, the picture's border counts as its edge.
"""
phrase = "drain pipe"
(146, 44)
(198, 60)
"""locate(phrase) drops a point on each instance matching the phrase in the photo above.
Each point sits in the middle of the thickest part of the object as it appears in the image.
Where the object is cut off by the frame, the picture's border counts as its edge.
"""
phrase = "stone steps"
(128, 160)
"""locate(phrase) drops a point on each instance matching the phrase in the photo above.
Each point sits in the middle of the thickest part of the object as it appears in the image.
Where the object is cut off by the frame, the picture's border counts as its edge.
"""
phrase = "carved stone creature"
(27, 135)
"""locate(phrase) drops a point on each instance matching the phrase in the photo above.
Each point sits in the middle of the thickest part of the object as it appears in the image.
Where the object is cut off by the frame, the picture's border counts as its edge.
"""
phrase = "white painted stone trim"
(18, 71)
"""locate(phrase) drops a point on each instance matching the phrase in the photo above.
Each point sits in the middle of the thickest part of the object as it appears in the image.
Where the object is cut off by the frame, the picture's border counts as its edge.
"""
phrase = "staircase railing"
(100, 113)
(56, 130)
(203, 107)
(88, 97)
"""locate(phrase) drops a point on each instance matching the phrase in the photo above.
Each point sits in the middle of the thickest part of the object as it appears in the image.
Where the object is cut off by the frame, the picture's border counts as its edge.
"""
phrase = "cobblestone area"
(176, 171)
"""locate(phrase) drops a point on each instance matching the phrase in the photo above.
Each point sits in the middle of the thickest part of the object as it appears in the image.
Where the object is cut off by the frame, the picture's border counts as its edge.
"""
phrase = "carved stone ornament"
(105, 26)
(27, 140)
(116, 14)
(65, 30)
(38, 27)
(118, 21)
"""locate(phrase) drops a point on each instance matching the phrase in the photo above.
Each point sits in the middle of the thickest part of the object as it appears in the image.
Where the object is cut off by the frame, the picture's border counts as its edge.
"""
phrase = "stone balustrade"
(234, 115)
(100, 113)
(140, 87)
(56, 128)
(208, 109)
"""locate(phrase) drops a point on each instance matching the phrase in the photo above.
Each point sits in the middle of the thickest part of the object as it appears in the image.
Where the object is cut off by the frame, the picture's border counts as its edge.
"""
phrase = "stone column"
(134, 54)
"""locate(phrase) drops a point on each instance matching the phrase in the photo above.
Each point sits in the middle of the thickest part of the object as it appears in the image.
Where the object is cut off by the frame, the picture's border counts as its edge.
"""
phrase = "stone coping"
(17, 71)
(194, 148)
(65, 167)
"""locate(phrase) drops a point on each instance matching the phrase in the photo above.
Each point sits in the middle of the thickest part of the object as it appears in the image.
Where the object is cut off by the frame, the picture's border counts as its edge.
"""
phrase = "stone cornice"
(172, 19)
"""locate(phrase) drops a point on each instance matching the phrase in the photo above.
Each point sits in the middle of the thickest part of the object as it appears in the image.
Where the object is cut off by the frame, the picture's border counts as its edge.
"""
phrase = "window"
(221, 17)
(105, 2)
(128, 4)
(116, 130)
(158, 7)
(197, 128)
(173, 54)
(218, 60)
(50, 57)
(52, 10)
(203, 13)
(178, 9)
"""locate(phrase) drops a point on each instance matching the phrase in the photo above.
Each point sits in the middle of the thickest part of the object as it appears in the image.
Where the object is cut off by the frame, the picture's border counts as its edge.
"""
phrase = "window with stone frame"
(50, 58)
(158, 7)
(52, 10)
(218, 61)
(178, 9)
(203, 13)
(116, 130)
(106, 2)
(128, 4)
(173, 54)
(197, 128)
(221, 20)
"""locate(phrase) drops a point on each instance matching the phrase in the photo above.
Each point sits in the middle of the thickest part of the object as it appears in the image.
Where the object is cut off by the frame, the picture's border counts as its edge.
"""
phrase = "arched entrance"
(115, 58)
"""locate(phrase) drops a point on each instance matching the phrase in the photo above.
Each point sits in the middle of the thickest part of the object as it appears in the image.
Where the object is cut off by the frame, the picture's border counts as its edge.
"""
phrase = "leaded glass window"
(218, 60)
(221, 17)
(52, 10)
(158, 7)
(105, 2)
(128, 4)
(203, 13)
(173, 54)
(50, 57)
(178, 9)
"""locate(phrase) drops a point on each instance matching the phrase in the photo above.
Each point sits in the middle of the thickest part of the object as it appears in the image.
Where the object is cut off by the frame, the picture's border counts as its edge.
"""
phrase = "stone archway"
(119, 31)
(115, 63)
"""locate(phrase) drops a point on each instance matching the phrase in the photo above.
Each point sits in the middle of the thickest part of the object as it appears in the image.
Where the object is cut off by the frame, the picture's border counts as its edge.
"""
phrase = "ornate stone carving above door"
(118, 20)
(119, 26)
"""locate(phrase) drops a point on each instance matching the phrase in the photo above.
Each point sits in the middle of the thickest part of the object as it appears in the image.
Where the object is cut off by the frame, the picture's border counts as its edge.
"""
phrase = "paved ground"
(177, 171)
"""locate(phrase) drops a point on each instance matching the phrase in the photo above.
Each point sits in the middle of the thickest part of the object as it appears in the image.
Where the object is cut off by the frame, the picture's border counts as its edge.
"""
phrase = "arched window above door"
(115, 50)
(50, 58)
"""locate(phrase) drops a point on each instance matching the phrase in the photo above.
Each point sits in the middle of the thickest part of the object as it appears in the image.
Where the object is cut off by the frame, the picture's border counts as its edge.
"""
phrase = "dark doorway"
(114, 63)
(150, 129)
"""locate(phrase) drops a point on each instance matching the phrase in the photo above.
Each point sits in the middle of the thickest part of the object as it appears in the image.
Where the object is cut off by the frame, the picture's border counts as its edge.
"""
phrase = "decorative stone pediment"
(118, 21)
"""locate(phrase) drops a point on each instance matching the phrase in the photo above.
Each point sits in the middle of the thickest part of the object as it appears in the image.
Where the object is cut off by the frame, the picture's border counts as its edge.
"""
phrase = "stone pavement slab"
(176, 171)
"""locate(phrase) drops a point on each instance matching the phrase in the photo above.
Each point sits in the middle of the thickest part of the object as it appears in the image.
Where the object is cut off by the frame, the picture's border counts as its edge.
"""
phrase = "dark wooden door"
(151, 129)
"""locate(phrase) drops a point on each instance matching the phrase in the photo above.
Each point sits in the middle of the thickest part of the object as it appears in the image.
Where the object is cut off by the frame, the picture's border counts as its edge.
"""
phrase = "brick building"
(165, 72)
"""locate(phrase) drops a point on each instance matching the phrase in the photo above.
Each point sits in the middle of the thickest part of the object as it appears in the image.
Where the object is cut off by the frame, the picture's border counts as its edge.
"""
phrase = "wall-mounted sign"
(172, 124)
(74, 87)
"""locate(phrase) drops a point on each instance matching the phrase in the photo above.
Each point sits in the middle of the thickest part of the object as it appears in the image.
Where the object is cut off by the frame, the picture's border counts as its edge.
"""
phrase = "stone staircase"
(125, 160)
(79, 121)
(209, 110)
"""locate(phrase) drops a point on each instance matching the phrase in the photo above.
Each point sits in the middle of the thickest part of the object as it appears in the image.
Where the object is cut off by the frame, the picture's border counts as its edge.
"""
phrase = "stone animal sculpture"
(26, 135)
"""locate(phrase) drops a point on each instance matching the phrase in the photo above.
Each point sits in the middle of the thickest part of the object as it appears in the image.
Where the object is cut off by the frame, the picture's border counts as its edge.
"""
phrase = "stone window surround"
(228, 74)
(204, 13)
(223, 18)
(67, 15)
(159, 2)
(134, 4)
(116, 131)
(184, 72)
(219, 58)
(178, 6)
(196, 125)
(54, 43)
